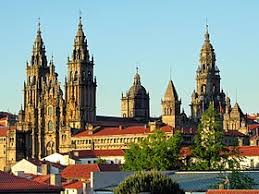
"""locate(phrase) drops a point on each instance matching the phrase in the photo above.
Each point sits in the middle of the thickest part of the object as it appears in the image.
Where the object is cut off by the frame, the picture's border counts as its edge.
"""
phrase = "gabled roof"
(237, 108)
(10, 183)
(83, 171)
(170, 93)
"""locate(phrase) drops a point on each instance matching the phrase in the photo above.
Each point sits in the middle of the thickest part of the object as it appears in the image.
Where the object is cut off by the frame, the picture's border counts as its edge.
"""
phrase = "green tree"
(156, 152)
(208, 149)
(239, 180)
(235, 180)
(150, 182)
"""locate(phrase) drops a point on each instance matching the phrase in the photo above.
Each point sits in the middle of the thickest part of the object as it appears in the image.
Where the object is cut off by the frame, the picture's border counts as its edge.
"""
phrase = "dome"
(137, 90)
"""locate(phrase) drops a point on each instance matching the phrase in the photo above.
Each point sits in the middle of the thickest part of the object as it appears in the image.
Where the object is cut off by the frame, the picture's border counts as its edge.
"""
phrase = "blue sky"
(123, 34)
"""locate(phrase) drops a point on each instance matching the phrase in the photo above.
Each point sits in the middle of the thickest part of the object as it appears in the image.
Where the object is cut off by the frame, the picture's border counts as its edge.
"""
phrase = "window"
(76, 76)
(50, 110)
(50, 126)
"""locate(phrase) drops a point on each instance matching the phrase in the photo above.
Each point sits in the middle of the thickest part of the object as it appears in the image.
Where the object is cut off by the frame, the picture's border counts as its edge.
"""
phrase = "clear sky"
(153, 34)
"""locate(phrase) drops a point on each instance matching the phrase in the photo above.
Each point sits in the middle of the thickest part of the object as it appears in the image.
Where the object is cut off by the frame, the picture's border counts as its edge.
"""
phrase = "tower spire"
(38, 51)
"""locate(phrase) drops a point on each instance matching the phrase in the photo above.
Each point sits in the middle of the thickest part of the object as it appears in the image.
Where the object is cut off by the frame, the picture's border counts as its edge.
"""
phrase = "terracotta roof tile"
(82, 171)
(3, 131)
(10, 183)
(99, 153)
(248, 150)
(253, 126)
(73, 185)
(116, 131)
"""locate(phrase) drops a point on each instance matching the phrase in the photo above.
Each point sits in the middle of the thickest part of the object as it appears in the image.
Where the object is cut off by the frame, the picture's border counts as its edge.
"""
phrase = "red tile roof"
(116, 131)
(3, 131)
(10, 183)
(73, 185)
(99, 153)
(248, 150)
(131, 130)
(38, 162)
(253, 126)
(83, 171)
(233, 191)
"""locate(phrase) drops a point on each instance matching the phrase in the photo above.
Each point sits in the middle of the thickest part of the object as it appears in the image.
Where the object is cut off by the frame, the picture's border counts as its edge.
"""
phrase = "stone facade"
(207, 82)
(135, 103)
(171, 106)
(43, 113)
(80, 87)
(234, 118)
(46, 119)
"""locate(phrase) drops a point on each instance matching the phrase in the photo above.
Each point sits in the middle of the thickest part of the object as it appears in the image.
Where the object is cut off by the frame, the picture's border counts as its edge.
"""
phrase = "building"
(135, 103)
(207, 82)
(7, 147)
(190, 181)
(36, 167)
(14, 184)
(52, 121)
(43, 114)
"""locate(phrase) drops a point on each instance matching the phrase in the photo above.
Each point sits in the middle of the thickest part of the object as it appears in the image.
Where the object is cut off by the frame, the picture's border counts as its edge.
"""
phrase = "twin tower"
(46, 116)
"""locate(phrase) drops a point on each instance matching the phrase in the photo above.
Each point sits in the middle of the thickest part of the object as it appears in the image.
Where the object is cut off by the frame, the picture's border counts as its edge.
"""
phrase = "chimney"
(45, 168)
(55, 179)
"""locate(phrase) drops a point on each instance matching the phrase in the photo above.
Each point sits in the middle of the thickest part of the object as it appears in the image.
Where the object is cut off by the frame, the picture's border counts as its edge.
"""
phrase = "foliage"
(156, 152)
(235, 180)
(208, 148)
(239, 180)
(101, 161)
(152, 182)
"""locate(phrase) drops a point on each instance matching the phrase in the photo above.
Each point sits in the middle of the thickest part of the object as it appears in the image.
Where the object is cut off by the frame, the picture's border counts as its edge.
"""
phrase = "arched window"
(76, 76)
(50, 110)
(50, 126)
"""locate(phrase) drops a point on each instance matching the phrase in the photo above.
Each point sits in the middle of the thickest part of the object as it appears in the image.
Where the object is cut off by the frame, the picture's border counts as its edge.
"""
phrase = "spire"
(207, 35)
(137, 78)
(170, 93)
(80, 51)
(207, 55)
(38, 51)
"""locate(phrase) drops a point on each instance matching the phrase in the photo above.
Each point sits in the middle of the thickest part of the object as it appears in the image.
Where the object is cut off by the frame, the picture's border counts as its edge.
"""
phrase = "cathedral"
(51, 120)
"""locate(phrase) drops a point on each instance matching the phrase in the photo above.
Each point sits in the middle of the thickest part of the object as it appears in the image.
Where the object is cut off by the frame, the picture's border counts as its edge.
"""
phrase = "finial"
(137, 69)
(80, 17)
(52, 58)
(207, 36)
(39, 25)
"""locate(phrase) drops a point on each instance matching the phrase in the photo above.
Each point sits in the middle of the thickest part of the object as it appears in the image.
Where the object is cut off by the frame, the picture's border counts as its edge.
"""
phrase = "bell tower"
(80, 84)
(207, 82)
(171, 106)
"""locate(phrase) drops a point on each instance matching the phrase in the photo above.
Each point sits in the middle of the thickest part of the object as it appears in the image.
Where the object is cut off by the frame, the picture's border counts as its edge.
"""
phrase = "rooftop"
(10, 183)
